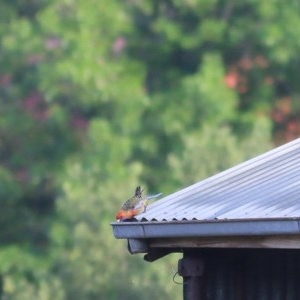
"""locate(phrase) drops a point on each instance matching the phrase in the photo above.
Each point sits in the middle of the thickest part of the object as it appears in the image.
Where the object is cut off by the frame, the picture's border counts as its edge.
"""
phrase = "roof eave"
(179, 229)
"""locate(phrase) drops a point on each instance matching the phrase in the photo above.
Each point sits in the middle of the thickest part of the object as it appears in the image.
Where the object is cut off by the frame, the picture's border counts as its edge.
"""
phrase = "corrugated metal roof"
(265, 187)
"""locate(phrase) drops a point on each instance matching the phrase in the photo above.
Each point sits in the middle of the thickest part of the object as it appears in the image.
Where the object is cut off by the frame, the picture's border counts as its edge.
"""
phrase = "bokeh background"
(97, 97)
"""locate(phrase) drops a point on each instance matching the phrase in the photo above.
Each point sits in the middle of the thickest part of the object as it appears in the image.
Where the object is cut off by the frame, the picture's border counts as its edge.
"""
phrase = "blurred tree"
(91, 263)
(228, 45)
(97, 97)
(31, 132)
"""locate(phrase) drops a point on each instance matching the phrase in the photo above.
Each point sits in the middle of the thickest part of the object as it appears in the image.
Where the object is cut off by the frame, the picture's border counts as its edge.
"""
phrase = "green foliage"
(27, 275)
(99, 96)
(93, 264)
(210, 150)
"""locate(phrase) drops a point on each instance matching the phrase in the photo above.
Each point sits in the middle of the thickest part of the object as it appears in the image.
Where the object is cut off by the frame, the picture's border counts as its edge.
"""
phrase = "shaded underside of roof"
(266, 187)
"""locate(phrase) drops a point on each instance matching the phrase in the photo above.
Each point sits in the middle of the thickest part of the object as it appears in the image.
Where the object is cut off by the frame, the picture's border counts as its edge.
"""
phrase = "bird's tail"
(149, 197)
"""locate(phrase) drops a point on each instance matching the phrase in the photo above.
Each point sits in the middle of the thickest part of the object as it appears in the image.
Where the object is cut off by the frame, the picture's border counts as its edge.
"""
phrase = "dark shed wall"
(250, 274)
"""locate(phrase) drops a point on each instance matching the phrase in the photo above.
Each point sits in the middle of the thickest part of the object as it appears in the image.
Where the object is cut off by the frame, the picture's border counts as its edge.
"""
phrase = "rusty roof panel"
(267, 186)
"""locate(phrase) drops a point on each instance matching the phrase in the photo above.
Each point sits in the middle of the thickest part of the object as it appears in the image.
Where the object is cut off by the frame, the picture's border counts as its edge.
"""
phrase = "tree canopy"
(97, 97)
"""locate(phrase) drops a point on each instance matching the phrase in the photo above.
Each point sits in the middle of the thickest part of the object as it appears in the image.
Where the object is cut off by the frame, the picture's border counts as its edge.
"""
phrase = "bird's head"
(138, 192)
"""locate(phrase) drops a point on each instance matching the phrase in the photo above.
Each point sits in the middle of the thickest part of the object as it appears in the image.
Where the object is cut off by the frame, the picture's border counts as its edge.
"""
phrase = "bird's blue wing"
(154, 196)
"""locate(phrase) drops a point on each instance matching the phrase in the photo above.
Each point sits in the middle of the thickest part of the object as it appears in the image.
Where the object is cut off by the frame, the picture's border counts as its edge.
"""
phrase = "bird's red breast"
(127, 214)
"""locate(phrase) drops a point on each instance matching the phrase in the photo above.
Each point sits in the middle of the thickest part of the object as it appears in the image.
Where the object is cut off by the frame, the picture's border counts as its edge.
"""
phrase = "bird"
(135, 205)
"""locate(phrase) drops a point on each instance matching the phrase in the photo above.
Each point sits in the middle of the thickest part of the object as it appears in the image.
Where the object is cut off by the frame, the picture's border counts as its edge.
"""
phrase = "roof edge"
(254, 227)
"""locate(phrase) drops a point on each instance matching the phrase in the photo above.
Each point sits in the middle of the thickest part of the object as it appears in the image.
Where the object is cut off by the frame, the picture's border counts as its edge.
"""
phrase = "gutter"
(184, 229)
